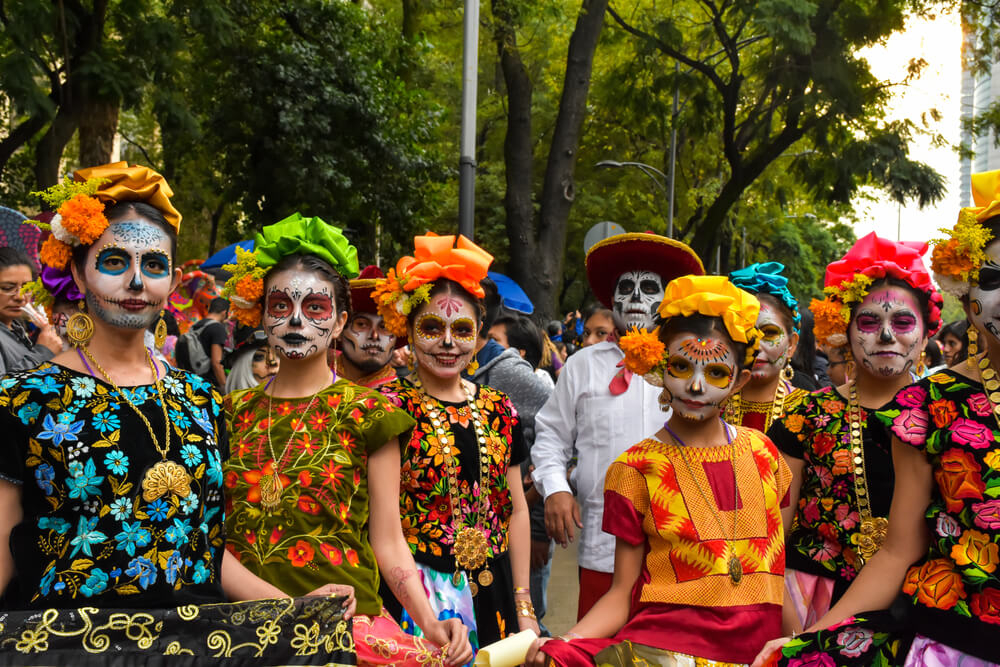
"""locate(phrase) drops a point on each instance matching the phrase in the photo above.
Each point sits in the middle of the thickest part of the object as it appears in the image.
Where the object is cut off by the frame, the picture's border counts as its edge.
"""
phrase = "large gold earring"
(79, 327)
(160, 332)
(787, 373)
(473, 366)
(665, 398)
(973, 333)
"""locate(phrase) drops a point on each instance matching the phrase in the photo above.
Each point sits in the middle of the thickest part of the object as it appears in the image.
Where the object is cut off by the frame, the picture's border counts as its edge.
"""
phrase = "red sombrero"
(361, 294)
(607, 260)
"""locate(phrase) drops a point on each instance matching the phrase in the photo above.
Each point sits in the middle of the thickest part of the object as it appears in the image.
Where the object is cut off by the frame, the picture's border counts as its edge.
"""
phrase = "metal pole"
(467, 161)
(673, 150)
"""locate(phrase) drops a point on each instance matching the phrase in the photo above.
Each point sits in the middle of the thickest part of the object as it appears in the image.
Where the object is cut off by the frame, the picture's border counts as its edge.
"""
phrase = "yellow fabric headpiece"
(125, 183)
(712, 296)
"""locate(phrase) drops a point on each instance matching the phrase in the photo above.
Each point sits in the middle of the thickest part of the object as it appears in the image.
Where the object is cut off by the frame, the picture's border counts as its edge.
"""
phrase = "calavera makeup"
(637, 297)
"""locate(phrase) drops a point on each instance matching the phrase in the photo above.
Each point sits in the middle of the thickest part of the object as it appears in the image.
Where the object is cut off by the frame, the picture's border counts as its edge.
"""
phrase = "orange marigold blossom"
(83, 217)
(935, 584)
(250, 288)
(386, 295)
(55, 253)
(247, 316)
(643, 351)
(951, 259)
(828, 319)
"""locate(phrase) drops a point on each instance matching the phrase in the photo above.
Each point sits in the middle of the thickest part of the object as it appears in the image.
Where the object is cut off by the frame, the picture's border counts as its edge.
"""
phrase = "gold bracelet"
(525, 608)
(521, 589)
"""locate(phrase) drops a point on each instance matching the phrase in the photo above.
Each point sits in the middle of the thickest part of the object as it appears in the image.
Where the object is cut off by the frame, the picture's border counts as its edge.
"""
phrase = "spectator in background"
(954, 341)
(212, 334)
(517, 331)
(931, 360)
(17, 351)
(252, 361)
(805, 357)
(599, 325)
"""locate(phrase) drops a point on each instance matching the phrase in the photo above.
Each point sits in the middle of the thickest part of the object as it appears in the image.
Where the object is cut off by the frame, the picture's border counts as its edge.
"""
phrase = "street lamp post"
(657, 177)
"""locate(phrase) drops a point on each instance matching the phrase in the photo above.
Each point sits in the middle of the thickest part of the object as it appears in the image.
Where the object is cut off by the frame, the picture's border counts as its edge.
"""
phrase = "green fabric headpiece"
(306, 236)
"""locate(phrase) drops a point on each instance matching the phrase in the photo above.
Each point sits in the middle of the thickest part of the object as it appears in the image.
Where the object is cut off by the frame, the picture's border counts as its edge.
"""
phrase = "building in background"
(978, 93)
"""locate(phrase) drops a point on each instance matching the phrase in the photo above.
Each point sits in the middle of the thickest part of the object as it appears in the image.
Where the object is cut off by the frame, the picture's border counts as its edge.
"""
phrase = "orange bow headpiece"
(434, 257)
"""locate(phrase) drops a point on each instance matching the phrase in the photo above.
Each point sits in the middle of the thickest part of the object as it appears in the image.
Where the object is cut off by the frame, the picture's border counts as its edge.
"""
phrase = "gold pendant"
(270, 492)
(485, 578)
(456, 579)
(79, 329)
(872, 536)
(735, 570)
(470, 549)
(473, 588)
(160, 333)
(165, 477)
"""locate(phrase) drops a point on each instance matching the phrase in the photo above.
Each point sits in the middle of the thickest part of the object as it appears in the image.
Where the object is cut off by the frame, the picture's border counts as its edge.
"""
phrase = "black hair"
(804, 359)
(554, 328)
(114, 211)
(317, 265)
(703, 325)
(597, 309)
(932, 353)
(13, 257)
(218, 305)
(445, 286)
(492, 305)
(522, 334)
(960, 330)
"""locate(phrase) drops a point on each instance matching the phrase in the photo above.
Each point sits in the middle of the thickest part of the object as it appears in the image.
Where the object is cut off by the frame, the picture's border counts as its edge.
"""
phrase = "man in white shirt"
(600, 408)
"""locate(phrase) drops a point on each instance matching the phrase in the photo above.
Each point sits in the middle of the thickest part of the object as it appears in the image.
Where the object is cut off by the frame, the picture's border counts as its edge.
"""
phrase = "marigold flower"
(250, 288)
(386, 295)
(643, 351)
(247, 316)
(83, 217)
(830, 325)
(55, 253)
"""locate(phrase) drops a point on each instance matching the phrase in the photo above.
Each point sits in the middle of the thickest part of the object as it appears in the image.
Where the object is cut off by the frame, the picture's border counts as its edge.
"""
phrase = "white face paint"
(776, 346)
(444, 335)
(366, 343)
(701, 373)
(128, 274)
(984, 296)
(887, 332)
(300, 316)
(637, 296)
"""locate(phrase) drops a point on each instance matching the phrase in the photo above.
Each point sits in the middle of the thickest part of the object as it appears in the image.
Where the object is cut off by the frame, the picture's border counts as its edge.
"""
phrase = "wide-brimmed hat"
(362, 288)
(607, 260)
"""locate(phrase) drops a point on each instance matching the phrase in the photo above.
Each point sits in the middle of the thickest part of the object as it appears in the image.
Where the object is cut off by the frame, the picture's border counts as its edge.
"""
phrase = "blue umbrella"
(511, 293)
(226, 256)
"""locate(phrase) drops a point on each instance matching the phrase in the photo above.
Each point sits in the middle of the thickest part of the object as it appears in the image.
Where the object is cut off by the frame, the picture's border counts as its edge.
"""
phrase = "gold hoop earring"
(973, 333)
(79, 327)
(787, 373)
(160, 332)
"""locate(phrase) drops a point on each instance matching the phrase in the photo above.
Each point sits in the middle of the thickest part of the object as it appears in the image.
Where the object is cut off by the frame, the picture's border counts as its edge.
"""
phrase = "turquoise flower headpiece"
(766, 277)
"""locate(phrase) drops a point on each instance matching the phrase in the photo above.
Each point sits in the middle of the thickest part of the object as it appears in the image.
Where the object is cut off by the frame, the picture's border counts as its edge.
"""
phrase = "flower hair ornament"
(293, 235)
(766, 278)
(956, 259)
(79, 204)
(712, 296)
(434, 257)
(848, 280)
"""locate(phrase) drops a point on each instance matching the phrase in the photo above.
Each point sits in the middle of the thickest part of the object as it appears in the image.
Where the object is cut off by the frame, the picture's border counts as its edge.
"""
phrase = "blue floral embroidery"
(44, 474)
(117, 461)
(29, 413)
(46, 385)
(201, 573)
(178, 417)
(59, 431)
(106, 421)
(121, 509)
(144, 569)
(83, 387)
(61, 526)
(214, 468)
(173, 567)
(96, 583)
(158, 509)
(189, 503)
(191, 455)
(86, 536)
(85, 480)
(46, 583)
(133, 535)
(178, 533)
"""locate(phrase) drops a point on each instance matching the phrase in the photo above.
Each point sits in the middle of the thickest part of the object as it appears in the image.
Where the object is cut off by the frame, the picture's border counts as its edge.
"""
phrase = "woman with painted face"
(881, 306)
(939, 568)
(111, 497)
(769, 393)
(252, 362)
(462, 500)
(313, 481)
(695, 508)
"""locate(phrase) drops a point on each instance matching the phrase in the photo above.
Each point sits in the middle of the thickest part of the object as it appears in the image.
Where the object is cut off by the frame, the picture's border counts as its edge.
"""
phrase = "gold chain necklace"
(734, 566)
(165, 476)
(470, 547)
(990, 381)
(873, 528)
(734, 408)
(270, 485)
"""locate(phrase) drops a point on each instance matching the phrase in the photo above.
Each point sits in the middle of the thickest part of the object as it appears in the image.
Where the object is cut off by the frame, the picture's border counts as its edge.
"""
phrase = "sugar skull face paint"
(444, 335)
(128, 274)
(984, 296)
(637, 296)
(701, 373)
(366, 343)
(777, 345)
(300, 316)
(887, 332)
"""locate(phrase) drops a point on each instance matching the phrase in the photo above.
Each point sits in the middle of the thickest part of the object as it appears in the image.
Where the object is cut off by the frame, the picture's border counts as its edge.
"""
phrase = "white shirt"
(582, 412)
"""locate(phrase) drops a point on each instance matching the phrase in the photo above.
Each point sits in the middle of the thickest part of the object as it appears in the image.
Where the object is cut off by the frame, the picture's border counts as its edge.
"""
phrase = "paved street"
(563, 587)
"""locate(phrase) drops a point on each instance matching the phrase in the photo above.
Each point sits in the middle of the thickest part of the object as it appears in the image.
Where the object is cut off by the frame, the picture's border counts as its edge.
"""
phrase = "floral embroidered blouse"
(955, 589)
(319, 532)
(425, 508)
(817, 431)
(89, 534)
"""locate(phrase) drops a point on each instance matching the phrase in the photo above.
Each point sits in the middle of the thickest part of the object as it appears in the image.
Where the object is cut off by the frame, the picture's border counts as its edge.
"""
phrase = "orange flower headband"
(80, 202)
(714, 296)
(956, 259)
(434, 257)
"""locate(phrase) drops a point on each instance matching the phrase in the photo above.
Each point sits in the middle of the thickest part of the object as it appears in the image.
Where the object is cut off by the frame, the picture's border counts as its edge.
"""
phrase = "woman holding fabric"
(769, 393)
(462, 500)
(882, 305)
(939, 568)
(111, 504)
(313, 481)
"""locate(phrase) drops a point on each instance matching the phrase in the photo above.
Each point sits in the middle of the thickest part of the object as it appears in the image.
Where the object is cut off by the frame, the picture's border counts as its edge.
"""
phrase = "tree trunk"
(48, 153)
(537, 252)
(21, 135)
(98, 125)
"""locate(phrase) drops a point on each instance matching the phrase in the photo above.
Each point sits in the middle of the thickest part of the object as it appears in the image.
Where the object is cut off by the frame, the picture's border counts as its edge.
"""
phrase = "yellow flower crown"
(957, 258)
(395, 304)
(713, 296)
